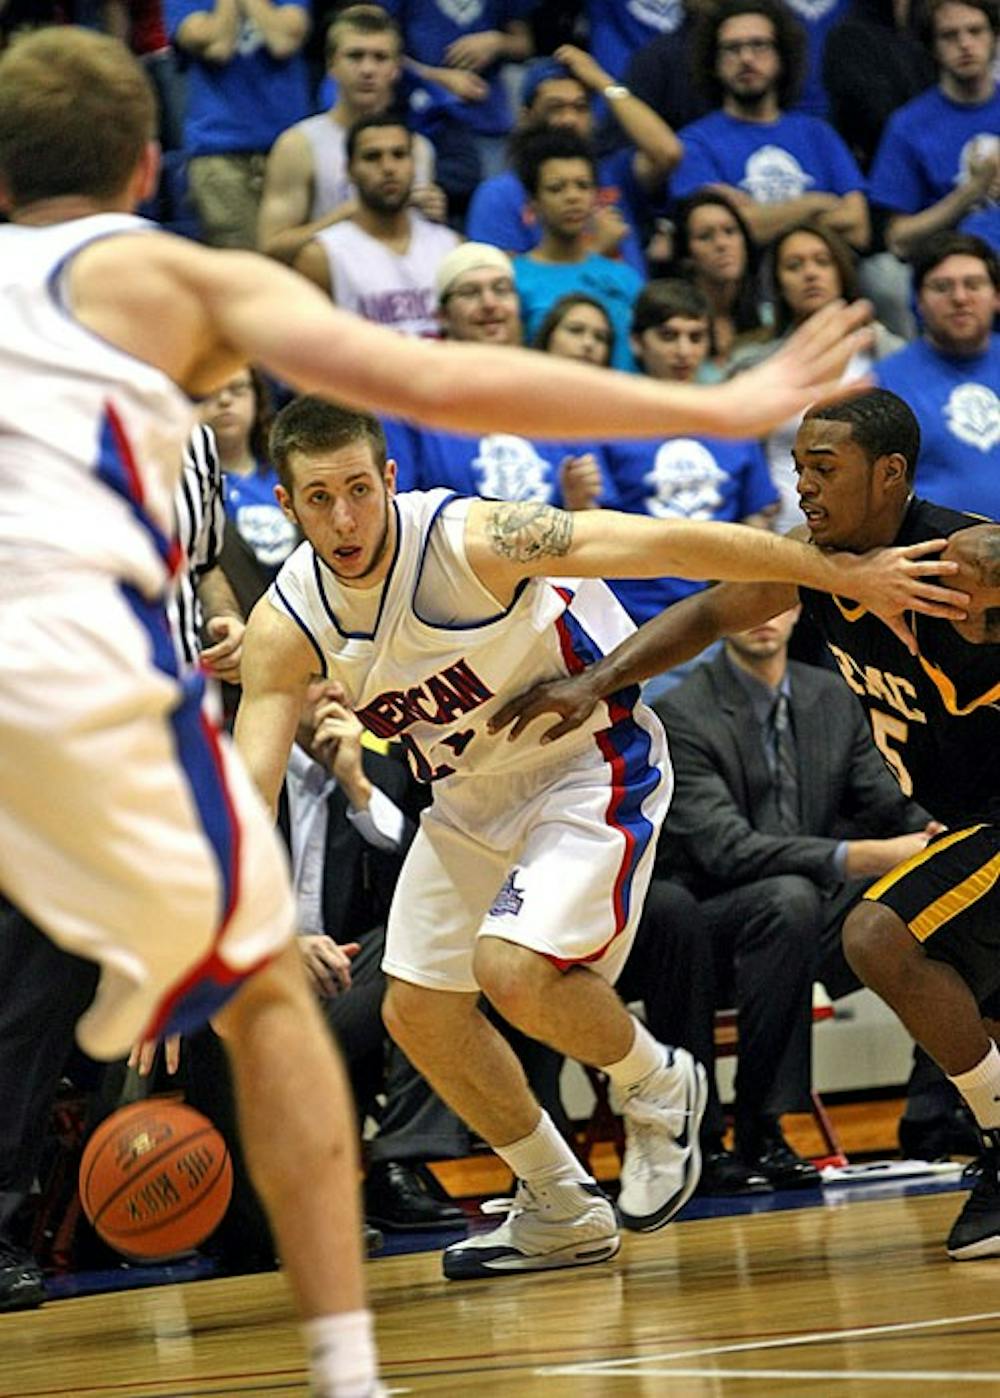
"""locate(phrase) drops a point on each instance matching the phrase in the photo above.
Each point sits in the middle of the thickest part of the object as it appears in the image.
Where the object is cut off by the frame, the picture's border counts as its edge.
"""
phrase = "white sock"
(980, 1087)
(342, 1359)
(643, 1058)
(543, 1156)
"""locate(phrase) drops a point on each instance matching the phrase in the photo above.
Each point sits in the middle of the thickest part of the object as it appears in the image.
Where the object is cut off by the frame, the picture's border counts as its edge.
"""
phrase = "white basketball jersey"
(396, 289)
(435, 687)
(331, 183)
(91, 440)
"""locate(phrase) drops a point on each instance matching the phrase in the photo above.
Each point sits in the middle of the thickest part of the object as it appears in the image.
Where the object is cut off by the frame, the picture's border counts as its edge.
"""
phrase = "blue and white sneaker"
(567, 1223)
(662, 1157)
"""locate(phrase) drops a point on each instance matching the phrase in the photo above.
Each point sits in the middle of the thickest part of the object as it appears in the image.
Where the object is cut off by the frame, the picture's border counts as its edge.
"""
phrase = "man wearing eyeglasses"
(950, 376)
(778, 166)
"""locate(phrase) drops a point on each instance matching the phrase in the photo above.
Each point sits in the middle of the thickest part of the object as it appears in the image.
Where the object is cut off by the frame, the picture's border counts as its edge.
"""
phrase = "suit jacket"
(722, 828)
(358, 879)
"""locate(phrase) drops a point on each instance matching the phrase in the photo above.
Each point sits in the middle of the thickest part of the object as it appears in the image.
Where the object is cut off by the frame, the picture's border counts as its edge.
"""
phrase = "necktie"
(786, 766)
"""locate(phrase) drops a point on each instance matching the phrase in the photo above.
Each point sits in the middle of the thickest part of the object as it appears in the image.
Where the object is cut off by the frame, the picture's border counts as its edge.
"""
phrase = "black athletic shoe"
(976, 1231)
(22, 1287)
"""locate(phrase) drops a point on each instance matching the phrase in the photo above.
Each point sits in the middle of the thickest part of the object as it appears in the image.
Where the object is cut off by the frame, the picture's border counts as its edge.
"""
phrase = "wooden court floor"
(856, 1298)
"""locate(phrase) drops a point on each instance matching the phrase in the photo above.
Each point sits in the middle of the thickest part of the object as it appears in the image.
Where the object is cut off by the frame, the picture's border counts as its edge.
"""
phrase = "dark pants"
(43, 992)
(772, 939)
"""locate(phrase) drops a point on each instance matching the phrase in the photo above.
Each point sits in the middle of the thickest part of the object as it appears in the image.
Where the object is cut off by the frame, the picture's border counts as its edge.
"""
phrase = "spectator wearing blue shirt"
(246, 81)
(951, 376)
(239, 414)
(699, 478)
(938, 164)
(619, 27)
(779, 167)
(558, 93)
(558, 170)
(462, 47)
(478, 304)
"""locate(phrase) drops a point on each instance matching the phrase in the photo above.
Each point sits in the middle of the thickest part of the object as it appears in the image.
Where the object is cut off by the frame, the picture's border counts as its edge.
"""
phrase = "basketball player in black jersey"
(926, 937)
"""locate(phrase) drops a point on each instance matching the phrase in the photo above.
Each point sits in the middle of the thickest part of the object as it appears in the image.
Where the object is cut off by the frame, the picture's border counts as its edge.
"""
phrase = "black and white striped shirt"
(201, 520)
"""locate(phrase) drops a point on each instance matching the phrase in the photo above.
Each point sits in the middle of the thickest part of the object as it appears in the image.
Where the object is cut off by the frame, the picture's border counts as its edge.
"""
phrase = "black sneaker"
(22, 1286)
(976, 1231)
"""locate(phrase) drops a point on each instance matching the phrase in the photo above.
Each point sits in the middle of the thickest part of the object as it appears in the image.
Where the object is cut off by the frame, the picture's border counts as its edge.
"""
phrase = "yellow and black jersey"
(935, 716)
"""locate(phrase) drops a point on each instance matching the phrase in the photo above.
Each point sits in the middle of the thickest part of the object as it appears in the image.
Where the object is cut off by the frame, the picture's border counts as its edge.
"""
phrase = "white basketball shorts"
(557, 859)
(128, 830)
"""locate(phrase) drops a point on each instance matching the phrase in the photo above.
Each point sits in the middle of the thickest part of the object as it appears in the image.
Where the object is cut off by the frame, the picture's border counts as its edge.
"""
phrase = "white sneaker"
(662, 1157)
(563, 1224)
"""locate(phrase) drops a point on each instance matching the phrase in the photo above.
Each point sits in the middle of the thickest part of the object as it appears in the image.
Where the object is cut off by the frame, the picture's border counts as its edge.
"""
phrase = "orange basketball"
(155, 1179)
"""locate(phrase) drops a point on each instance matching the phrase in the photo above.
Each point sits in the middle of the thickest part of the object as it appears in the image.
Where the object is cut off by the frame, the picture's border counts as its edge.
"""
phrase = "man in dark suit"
(783, 813)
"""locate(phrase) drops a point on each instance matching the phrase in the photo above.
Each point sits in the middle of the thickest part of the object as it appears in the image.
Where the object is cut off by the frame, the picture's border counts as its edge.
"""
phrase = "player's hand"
(143, 1055)
(327, 963)
(807, 369)
(431, 201)
(474, 52)
(580, 481)
(892, 582)
(583, 67)
(222, 660)
(573, 699)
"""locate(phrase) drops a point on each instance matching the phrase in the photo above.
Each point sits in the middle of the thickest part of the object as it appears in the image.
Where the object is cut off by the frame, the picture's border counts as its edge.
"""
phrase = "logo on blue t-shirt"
(664, 15)
(510, 468)
(461, 11)
(972, 413)
(685, 481)
(812, 9)
(774, 175)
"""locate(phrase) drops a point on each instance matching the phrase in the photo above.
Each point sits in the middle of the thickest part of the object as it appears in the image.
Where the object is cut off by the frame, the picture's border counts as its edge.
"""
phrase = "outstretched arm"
(215, 310)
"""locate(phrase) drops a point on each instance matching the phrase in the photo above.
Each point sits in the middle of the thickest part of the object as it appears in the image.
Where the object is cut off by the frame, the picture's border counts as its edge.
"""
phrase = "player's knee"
(515, 980)
(877, 945)
(416, 1017)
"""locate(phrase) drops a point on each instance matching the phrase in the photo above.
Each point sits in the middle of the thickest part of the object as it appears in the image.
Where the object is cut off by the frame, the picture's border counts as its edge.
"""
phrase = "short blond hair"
(76, 112)
(365, 19)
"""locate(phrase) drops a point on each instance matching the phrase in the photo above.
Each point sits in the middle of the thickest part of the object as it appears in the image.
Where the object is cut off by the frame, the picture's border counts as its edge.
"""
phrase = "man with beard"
(381, 263)
(950, 376)
(779, 167)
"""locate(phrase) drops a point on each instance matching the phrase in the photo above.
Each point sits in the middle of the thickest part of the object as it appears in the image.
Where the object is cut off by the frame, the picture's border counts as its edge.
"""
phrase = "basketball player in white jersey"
(527, 877)
(126, 829)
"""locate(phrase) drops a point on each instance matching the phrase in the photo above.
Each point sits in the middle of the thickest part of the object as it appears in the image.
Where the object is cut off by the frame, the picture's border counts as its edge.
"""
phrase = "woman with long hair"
(577, 327)
(714, 250)
(239, 414)
(810, 266)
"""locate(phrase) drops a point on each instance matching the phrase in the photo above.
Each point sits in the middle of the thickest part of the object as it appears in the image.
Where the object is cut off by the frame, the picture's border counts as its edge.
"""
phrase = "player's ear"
(893, 468)
(285, 503)
(389, 475)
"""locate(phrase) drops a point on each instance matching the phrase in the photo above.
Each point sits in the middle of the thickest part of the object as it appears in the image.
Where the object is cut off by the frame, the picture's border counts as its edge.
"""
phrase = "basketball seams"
(135, 1109)
(205, 1197)
(152, 1159)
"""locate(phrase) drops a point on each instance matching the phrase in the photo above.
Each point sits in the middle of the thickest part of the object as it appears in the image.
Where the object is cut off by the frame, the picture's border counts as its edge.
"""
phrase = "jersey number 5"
(887, 730)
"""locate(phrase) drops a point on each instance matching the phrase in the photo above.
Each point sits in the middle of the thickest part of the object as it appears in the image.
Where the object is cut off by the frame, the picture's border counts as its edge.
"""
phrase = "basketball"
(155, 1179)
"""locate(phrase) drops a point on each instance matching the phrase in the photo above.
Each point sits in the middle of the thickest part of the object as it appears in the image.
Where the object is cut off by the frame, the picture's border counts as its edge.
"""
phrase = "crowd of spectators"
(666, 187)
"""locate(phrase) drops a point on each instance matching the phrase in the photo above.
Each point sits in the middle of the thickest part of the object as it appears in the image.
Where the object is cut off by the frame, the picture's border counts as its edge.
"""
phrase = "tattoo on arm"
(528, 530)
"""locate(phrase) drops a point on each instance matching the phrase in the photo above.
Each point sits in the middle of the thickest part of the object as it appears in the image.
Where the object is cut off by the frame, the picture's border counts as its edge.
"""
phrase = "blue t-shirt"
(499, 465)
(250, 504)
(619, 27)
(924, 153)
(771, 161)
(700, 478)
(246, 103)
(500, 212)
(614, 284)
(817, 18)
(430, 26)
(957, 403)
